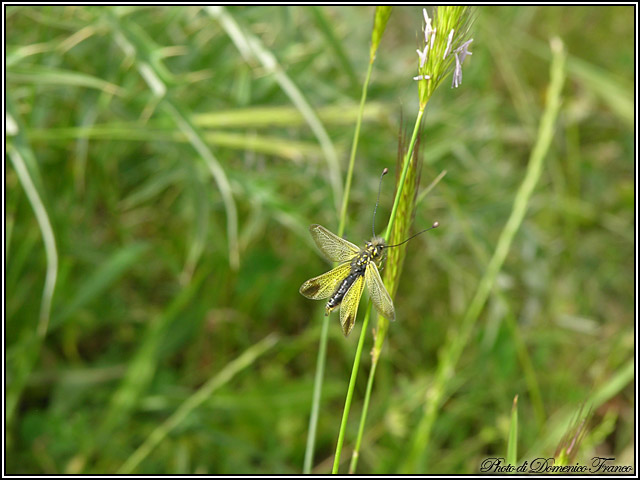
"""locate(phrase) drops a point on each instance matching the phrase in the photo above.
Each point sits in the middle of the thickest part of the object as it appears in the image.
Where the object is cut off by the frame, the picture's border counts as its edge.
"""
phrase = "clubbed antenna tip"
(435, 225)
(385, 171)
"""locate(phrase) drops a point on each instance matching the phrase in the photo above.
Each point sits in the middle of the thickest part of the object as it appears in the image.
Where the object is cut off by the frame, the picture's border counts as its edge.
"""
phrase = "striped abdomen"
(358, 266)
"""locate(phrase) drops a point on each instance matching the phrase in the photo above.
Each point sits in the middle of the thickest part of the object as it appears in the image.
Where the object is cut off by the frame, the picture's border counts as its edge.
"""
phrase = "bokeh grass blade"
(252, 49)
(223, 377)
(17, 153)
(218, 173)
(327, 28)
(269, 145)
(201, 209)
(36, 75)
(512, 443)
(286, 116)
(143, 366)
(616, 92)
(155, 74)
(103, 278)
(559, 423)
(453, 349)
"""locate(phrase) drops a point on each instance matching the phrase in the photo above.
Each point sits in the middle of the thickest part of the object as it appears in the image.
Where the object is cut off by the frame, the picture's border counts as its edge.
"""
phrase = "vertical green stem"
(356, 362)
(324, 334)
(365, 408)
(405, 169)
(352, 385)
(381, 17)
(381, 333)
(354, 148)
(317, 392)
(458, 340)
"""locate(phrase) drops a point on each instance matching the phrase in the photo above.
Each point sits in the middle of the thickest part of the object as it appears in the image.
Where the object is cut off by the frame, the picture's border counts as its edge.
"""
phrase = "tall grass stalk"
(324, 333)
(365, 323)
(435, 63)
(458, 339)
(350, 389)
(47, 236)
(381, 18)
(383, 323)
(512, 442)
(28, 355)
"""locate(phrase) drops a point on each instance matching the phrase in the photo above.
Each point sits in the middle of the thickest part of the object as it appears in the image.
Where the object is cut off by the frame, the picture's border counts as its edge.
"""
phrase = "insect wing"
(378, 293)
(324, 285)
(334, 248)
(349, 305)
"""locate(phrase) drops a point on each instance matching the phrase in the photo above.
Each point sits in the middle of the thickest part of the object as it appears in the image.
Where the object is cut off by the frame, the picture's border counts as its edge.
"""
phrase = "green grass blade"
(559, 423)
(38, 75)
(455, 346)
(350, 390)
(144, 363)
(616, 92)
(29, 355)
(512, 444)
(317, 393)
(223, 377)
(381, 18)
(252, 48)
(286, 116)
(102, 278)
(355, 456)
(288, 149)
(335, 44)
(155, 75)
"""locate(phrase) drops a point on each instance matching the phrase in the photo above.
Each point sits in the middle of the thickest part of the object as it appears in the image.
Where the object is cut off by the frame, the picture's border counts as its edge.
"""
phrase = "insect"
(344, 284)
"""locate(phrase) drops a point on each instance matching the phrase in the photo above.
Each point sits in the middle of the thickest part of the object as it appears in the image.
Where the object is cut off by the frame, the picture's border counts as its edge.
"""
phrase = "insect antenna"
(373, 224)
(435, 225)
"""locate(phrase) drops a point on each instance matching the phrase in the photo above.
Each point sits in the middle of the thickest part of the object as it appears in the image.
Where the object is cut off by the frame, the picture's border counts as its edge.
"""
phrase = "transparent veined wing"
(349, 305)
(335, 248)
(324, 285)
(378, 293)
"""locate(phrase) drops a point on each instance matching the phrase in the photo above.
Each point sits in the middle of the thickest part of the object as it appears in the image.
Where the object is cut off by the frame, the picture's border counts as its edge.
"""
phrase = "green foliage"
(146, 132)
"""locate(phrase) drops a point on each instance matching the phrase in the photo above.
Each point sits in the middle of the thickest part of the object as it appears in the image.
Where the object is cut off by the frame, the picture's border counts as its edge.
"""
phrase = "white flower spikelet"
(423, 55)
(429, 31)
(460, 53)
(463, 50)
(448, 49)
(429, 38)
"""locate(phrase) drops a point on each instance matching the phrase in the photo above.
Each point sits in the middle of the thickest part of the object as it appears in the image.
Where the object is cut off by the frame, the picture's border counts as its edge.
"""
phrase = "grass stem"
(381, 332)
(352, 385)
(383, 323)
(324, 334)
(457, 341)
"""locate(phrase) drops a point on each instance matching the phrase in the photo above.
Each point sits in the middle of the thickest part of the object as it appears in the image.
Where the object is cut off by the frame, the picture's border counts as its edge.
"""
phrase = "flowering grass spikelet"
(442, 52)
(460, 54)
(448, 49)
(423, 55)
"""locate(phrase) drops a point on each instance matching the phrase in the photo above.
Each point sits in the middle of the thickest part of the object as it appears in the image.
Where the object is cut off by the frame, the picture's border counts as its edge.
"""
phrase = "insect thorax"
(374, 250)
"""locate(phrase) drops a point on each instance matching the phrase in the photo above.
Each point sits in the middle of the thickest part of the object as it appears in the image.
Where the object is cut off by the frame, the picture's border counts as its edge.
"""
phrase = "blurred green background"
(145, 131)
